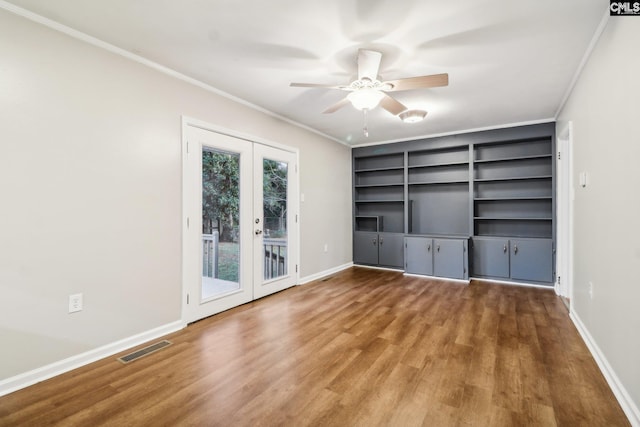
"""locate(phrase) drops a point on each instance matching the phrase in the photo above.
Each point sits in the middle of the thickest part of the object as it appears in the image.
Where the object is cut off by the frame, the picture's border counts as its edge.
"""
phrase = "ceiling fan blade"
(422, 82)
(368, 64)
(392, 105)
(315, 85)
(338, 105)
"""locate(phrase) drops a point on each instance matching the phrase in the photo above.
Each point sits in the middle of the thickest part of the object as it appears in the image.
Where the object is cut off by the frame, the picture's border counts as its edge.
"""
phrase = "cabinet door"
(532, 259)
(391, 250)
(418, 255)
(491, 257)
(448, 258)
(365, 248)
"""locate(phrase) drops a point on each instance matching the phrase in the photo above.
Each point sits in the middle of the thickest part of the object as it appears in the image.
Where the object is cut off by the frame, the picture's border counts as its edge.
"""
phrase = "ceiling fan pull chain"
(365, 129)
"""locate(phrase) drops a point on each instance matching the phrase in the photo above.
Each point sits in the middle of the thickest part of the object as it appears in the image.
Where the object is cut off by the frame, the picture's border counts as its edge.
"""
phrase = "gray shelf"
(440, 182)
(368, 223)
(439, 165)
(378, 162)
(515, 158)
(507, 199)
(511, 218)
(379, 169)
(517, 178)
(379, 201)
(438, 234)
(441, 156)
(378, 185)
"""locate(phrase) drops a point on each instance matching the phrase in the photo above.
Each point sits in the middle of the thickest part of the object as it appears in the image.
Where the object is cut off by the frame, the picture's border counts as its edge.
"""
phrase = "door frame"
(186, 211)
(565, 209)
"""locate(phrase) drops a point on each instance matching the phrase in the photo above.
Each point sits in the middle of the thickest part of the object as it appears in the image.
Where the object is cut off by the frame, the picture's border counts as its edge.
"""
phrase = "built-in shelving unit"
(378, 203)
(513, 205)
(495, 188)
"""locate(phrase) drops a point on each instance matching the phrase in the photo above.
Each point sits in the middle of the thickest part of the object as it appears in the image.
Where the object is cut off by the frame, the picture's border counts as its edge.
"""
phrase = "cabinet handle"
(429, 247)
(504, 249)
(381, 241)
(515, 249)
(438, 248)
(374, 241)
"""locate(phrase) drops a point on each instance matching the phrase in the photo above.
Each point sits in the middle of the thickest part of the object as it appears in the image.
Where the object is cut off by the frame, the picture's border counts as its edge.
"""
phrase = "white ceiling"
(509, 61)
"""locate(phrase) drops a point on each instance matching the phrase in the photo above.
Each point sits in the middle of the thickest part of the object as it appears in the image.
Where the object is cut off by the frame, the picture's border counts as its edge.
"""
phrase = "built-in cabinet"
(383, 249)
(485, 199)
(518, 259)
(436, 257)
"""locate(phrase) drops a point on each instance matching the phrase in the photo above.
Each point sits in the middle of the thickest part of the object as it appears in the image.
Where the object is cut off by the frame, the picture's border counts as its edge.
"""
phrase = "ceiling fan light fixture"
(365, 99)
(412, 116)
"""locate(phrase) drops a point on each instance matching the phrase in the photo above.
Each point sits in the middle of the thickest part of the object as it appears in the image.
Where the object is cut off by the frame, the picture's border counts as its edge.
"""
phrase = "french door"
(274, 220)
(240, 233)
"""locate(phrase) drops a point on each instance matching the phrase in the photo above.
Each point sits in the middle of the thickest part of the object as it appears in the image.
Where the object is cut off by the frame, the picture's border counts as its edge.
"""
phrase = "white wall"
(90, 179)
(605, 109)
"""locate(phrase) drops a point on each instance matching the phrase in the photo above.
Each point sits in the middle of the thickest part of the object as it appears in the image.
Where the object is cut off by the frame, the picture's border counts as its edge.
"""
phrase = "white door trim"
(564, 255)
(189, 121)
(187, 193)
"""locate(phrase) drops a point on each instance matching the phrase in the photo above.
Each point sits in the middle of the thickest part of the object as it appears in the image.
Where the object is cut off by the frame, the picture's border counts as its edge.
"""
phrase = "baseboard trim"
(508, 282)
(443, 279)
(37, 375)
(375, 267)
(325, 273)
(620, 392)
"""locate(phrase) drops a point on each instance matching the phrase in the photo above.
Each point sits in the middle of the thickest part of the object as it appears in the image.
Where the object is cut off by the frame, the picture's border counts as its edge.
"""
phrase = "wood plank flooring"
(362, 348)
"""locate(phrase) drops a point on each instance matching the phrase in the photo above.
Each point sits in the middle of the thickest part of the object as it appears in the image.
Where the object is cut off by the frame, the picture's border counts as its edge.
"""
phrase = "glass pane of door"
(274, 198)
(220, 223)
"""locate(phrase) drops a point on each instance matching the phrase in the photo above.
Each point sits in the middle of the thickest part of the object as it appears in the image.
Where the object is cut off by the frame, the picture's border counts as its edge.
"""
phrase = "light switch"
(583, 179)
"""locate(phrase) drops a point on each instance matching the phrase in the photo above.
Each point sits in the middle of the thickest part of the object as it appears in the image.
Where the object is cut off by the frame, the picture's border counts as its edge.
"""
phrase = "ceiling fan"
(367, 92)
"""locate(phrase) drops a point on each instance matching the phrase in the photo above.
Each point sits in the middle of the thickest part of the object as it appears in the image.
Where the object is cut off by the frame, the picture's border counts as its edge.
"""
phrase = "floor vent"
(144, 351)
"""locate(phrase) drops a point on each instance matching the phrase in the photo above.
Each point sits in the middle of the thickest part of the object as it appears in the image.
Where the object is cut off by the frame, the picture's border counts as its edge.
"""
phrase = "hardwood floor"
(364, 348)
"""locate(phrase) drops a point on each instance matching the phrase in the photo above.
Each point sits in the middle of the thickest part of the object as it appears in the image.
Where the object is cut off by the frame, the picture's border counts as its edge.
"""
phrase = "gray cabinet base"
(440, 257)
(519, 260)
(383, 249)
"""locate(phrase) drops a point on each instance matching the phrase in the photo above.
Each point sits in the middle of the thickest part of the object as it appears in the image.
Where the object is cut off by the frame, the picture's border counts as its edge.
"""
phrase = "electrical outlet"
(591, 290)
(75, 303)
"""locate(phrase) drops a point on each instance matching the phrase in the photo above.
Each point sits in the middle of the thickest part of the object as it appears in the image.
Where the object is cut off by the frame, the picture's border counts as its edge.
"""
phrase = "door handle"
(258, 232)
